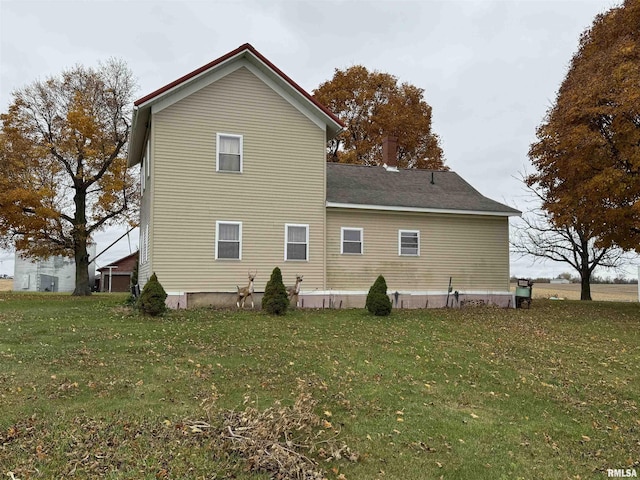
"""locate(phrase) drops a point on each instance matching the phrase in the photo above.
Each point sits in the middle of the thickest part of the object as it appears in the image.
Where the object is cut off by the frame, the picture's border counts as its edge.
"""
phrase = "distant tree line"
(595, 279)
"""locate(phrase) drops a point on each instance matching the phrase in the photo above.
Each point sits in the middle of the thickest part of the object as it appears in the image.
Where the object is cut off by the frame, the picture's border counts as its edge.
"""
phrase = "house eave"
(182, 82)
(449, 211)
(143, 106)
(139, 125)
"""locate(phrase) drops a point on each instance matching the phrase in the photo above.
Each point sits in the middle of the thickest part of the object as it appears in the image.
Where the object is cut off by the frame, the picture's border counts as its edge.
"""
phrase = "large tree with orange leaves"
(63, 171)
(587, 153)
(372, 105)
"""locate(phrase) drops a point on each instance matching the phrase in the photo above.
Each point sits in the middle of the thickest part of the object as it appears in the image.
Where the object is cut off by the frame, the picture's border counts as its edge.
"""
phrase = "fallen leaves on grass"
(285, 442)
(279, 440)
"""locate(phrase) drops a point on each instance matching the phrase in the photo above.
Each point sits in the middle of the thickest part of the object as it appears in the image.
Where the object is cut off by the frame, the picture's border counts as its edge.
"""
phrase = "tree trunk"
(585, 285)
(83, 287)
(79, 235)
(585, 269)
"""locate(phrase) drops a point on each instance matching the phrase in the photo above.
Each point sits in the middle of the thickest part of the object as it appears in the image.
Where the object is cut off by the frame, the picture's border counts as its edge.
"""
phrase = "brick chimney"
(390, 153)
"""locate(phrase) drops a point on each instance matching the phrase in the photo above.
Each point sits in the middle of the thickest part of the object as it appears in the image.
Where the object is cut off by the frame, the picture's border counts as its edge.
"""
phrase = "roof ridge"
(399, 169)
(245, 47)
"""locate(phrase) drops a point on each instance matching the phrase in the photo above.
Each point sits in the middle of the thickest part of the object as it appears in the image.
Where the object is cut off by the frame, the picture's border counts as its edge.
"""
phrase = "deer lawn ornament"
(246, 292)
(295, 290)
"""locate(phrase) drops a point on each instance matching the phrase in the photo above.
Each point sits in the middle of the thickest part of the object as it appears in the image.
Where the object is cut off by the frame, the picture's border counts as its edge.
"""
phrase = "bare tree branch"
(536, 235)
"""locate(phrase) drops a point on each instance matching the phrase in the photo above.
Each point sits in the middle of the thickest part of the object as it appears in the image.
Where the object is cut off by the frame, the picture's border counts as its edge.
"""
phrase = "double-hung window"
(296, 242)
(143, 255)
(229, 153)
(409, 242)
(351, 240)
(228, 240)
(145, 168)
(147, 162)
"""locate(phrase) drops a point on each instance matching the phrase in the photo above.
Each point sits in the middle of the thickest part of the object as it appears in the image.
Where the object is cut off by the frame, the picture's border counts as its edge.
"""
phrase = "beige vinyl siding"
(145, 269)
(474, 250)
(282, 181)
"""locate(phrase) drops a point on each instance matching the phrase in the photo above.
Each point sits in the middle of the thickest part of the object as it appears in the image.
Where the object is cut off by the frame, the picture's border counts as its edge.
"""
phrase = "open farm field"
(6, 285)
(599, 292)
(91, 389)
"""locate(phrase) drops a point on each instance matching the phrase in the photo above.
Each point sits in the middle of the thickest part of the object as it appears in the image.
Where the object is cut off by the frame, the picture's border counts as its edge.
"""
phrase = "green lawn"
(90, 389)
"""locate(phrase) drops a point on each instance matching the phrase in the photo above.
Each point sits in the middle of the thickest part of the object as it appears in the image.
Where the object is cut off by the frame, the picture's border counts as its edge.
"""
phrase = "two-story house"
(234, 180)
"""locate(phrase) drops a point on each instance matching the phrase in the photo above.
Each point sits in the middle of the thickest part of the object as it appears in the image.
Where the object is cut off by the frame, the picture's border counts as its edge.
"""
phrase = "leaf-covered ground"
(89, 389)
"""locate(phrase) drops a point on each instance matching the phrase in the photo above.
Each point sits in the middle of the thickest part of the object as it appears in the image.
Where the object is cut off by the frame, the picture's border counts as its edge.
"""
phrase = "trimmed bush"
(275, 300)
(378, 302)
(380, 286)
(151, 301)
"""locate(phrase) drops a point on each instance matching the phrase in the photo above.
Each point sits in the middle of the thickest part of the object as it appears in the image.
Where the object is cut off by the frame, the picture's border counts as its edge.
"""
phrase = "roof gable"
(357, 186)
(244, 56)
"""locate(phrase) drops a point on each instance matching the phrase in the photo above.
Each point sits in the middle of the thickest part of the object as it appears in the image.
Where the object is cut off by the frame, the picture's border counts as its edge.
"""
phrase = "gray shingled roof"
(375, 186)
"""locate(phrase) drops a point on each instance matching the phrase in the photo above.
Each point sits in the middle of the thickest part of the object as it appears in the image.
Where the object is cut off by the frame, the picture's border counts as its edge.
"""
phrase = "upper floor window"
(145, 167)
(409, 242)
(147, 158)
(143, 256)
(229, 240)
(351, 240)
(296, 239)
(229, 153)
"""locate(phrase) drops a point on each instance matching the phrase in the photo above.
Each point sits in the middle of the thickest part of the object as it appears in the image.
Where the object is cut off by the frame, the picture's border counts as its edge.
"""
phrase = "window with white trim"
(228, 240)
(228, 153)
(351, 240)
(141, 248)
(145, 168)
(147, 158)
(409, 242)
(296, 242)
(146, 243)
(143, 255)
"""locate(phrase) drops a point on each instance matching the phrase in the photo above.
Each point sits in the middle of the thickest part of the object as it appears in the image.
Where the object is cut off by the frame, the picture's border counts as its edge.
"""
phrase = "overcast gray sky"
(490, 69)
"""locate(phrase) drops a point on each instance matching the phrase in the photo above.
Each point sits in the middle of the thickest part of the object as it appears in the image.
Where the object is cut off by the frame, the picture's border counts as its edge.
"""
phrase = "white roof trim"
(199, 82)
(192, 80)
(419, 209)
(250, 62)
(297, 103)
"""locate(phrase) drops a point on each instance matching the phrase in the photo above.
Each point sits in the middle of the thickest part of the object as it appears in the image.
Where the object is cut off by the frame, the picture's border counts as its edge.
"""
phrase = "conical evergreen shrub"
(380, 286)
(275, 300)
(151, 301)
(378, 302)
